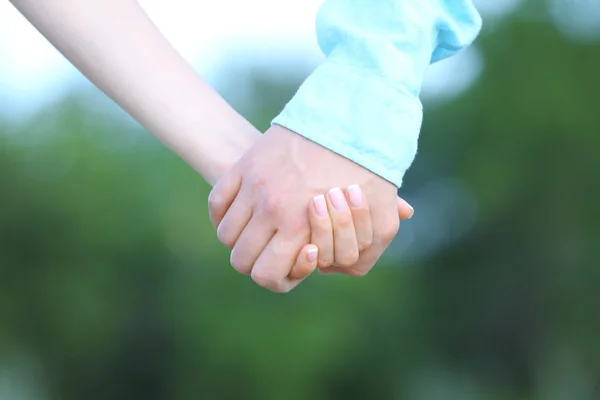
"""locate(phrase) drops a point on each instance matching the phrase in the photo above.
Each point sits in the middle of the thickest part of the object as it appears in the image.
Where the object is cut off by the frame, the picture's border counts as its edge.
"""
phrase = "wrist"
(359, 116)
(214, 154)
(229, 151)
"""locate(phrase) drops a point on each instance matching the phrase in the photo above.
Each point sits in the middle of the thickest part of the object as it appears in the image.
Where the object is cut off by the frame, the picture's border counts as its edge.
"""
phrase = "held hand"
(259, 206)
(338, 236)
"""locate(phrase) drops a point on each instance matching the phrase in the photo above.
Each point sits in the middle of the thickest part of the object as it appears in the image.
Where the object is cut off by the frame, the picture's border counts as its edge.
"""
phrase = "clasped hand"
(282, 213)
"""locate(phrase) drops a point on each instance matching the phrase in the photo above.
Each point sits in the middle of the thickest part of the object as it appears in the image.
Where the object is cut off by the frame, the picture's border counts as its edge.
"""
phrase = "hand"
(338, 232)
(259, 206)
(405, 211)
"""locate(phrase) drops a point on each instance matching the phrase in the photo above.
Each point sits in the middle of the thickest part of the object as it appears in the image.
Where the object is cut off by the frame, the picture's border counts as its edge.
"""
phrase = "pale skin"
(259, 207)
(260, 211)
(341, 225)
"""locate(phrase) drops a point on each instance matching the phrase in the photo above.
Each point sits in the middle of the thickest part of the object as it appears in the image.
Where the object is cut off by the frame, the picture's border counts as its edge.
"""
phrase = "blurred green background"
(113, 284)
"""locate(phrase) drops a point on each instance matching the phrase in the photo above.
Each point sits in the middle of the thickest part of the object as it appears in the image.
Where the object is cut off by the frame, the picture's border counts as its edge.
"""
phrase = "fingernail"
(312, 254)
(412, 210)
(320, 205)
(337, 199)
(355, 195)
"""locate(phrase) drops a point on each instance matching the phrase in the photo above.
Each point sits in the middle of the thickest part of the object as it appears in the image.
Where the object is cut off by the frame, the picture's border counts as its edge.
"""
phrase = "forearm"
(115, 45)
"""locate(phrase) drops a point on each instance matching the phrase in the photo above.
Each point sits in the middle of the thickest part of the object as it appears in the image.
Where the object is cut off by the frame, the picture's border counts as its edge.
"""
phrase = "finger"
(275, 263)
(235, 220)
(385, 227)
(361, 217)
(306, 262)
(321, 230)
(344, 237)
(365, 263)
(222, 195)
(251, 242)
(405, 210)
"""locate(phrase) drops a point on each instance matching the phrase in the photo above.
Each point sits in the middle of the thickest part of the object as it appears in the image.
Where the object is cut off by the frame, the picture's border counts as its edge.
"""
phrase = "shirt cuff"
(358, 115)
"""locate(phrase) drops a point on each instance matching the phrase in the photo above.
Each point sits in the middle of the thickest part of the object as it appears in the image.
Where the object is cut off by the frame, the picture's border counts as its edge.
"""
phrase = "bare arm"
(115, 45)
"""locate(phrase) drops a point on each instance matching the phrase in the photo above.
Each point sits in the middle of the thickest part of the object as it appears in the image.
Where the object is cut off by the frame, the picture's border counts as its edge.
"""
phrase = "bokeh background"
(113, 284)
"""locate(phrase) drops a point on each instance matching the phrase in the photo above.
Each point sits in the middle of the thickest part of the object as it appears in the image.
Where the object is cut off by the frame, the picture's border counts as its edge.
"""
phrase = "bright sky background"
(32, 72)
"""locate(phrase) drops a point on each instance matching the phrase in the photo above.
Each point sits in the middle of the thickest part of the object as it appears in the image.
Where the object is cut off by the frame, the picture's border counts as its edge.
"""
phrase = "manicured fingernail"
(337, 199)
(355, 195)
(320, 205)
(412, 210)
(312, 254)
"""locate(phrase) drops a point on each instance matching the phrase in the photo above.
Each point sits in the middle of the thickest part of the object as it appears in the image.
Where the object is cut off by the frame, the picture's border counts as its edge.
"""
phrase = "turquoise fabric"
(363, 101)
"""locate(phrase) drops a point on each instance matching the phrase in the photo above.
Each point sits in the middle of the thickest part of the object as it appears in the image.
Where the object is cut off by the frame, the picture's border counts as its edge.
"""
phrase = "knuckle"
(238, 263)
(258, 180)
(348, 260)
(263, 279)
(215, 201)
(321, 228)
(271, 205)
(365, 244)
(345, 222)
(260, 279)
(225, 237)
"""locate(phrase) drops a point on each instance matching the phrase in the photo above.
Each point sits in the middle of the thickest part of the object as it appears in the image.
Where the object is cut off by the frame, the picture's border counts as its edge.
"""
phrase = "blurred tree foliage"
(113, 284)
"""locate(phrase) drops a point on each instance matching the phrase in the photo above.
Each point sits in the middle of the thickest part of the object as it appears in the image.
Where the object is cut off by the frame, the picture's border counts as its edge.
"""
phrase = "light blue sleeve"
(363, 101)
